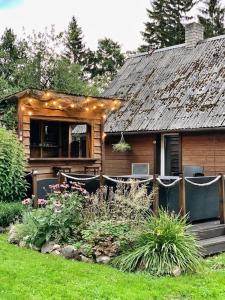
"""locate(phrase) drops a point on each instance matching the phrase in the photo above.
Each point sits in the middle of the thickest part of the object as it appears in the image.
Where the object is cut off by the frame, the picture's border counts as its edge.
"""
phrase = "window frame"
(72, 121)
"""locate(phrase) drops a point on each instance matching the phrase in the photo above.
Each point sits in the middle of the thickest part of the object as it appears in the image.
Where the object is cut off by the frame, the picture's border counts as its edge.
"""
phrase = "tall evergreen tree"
(212, 18)
(164, 27)
(106, 60)
(75, 48)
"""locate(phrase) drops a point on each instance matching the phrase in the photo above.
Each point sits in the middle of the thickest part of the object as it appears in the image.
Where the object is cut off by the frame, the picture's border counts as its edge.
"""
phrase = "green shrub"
(58, 221)
(10, 212)
(103, 238)
(12, 167)
(162, 246)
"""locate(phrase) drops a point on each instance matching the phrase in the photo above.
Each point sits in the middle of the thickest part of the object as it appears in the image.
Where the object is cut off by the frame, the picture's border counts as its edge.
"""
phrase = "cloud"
(4, 4)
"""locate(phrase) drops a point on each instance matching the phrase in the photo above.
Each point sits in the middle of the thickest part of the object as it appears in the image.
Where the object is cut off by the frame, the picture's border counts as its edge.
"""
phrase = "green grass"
(26, 274)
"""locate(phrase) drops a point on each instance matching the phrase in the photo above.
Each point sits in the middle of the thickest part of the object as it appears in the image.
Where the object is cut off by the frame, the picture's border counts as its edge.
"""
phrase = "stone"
(22, 244)
(176, 272)
(48, 247)
(103, 259)
(69, 252)
(56, 252)
(86, 259)
(13, 236)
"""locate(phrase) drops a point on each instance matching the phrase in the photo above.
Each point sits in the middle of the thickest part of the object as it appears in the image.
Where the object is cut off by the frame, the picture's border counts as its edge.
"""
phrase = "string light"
(87, 109)
(88, 100)
(30, 100)
(104, 135)
(115, 102)
(22, 108)
(72, 105)
(54, 102)
(94, 107)
(47, 94)
(60, 106)
(46, 104)
(29, 113)
(104, 117)
(113, 108)
(102, 105)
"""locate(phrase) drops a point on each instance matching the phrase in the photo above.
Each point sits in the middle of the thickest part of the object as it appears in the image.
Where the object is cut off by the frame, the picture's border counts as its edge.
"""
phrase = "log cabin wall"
(198, 149)
(120, 163)
(45, 167)
(204, 149)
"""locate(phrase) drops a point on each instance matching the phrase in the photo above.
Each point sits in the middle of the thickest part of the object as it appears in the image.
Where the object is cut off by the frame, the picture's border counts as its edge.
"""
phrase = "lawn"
(26, 274)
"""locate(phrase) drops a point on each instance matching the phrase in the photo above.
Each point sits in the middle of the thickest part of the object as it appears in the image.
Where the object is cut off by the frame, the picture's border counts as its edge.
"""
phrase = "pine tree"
(164, 27)
(212, 18)
(75, 48)
(106, 60)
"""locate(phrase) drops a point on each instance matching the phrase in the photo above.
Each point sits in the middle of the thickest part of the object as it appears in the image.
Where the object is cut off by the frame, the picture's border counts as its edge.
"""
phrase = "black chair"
(193, 171)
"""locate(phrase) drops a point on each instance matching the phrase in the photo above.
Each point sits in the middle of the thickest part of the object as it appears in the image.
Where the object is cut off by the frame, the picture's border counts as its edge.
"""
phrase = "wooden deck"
(211, 237)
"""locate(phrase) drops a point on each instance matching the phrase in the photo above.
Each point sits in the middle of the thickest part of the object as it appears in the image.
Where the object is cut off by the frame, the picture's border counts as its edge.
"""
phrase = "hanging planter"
(122, 146)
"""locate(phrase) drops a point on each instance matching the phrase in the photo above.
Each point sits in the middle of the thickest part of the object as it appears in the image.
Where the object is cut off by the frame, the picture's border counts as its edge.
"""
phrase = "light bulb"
(87, 109)
(72, 105)
(29, 113)
(22, 108)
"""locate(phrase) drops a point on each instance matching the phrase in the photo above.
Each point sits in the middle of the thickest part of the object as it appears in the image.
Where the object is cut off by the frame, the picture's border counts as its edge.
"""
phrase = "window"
(54, 139)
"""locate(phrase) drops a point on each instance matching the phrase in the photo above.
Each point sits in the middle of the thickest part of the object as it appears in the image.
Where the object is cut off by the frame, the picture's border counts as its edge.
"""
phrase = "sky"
(121, 20)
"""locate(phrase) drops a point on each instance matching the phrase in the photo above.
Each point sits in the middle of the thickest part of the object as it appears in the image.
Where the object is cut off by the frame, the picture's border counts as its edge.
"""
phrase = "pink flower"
(42, 202)
(26, 201)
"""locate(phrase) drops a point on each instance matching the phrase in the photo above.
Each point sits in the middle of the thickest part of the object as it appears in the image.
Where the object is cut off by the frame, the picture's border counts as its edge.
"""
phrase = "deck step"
(210, 232)
(213, 245)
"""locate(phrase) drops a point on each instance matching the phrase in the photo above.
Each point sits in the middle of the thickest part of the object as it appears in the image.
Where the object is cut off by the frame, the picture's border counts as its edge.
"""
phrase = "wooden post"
(182, 196)
(34, 188)
(60, 177)
(101, 186)
(155, 188)
(221, 199)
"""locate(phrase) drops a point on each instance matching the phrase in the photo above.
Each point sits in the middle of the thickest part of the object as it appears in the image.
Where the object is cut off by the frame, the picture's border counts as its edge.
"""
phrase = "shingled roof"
(172, 89)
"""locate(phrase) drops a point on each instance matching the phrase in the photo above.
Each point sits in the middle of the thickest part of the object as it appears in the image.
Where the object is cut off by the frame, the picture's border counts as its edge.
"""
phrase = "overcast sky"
(121, 20)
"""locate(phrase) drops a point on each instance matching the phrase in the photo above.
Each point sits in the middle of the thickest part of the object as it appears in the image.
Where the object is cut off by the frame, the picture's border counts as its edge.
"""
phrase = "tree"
(67, 79)
(164, 27)
(105, 61)
(12, 55)
(212, 18)
(75, 48)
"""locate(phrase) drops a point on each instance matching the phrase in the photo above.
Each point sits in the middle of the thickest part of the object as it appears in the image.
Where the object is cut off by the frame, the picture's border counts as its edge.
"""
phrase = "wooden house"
(174, 110)
(61, 131)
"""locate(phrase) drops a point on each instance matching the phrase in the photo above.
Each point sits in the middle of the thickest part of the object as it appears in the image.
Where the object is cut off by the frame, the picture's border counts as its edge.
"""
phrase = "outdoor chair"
(193, 171)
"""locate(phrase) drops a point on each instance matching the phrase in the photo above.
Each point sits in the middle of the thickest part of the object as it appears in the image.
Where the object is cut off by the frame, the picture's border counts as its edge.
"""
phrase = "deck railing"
(156, 180)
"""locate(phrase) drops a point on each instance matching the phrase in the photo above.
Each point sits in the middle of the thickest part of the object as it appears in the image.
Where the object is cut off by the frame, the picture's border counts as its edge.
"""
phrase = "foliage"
(212, 18)
(121, 147)
(9, 118)
(127, 204)
(164, 27)
(58, 221)
(164, 245)
(103, 238)
(67, 78)
(106, 60)
(12, 167)
(75, 48)
(9, 213)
